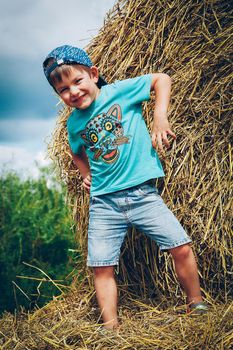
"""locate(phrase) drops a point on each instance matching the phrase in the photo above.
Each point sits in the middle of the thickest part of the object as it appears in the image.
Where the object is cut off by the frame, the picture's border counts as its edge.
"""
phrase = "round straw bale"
(191, 41)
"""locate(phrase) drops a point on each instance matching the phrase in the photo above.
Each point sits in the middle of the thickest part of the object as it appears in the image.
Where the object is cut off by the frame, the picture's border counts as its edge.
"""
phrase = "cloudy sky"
(29, 29)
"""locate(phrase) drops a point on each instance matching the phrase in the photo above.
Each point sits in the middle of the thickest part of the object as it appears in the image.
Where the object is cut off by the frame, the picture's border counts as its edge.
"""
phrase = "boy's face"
(79, 88)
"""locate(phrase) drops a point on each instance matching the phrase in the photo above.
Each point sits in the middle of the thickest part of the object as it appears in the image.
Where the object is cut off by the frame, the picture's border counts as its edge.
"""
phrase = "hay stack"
(67, 323)
(191, 41)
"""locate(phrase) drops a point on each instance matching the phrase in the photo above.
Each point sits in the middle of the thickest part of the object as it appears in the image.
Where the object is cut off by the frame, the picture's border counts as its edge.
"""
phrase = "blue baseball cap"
(67, 54)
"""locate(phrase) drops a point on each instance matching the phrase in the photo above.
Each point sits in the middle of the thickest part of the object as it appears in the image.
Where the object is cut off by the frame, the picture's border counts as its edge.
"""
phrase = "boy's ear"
(95, 73)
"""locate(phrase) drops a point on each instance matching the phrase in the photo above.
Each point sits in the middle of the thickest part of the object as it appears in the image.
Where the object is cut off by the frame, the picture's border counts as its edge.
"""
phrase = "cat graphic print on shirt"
(104, 133)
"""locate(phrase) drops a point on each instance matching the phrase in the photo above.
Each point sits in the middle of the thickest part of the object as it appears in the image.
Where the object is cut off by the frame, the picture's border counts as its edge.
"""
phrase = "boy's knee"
(182, 252)
(103, 271)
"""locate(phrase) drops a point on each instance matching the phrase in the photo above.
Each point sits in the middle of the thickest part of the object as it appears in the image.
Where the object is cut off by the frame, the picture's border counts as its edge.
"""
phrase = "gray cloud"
(31, 28)
(23, 130)
(24, 90)
(28, 31)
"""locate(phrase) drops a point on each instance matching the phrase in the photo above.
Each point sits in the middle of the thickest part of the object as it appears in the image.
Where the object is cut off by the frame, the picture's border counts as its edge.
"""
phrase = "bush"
(35, 228)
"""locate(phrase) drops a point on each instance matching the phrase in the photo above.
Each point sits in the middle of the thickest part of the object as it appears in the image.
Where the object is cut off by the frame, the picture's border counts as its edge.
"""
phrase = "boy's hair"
(57, 63)
(60, 71)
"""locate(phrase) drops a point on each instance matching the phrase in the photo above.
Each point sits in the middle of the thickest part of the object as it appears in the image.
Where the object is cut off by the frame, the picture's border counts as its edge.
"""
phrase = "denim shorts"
(112, 214)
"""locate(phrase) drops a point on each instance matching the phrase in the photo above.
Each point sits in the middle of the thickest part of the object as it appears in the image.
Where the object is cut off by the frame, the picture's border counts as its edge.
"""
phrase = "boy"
(112, 149)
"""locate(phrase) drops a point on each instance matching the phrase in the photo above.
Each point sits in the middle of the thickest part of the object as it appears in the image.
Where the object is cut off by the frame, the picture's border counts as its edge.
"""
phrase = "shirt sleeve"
(136, 89)
(74, 144)
(74, 141)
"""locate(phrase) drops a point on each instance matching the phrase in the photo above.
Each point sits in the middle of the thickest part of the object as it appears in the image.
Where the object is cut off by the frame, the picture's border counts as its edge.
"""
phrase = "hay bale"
(191, 41)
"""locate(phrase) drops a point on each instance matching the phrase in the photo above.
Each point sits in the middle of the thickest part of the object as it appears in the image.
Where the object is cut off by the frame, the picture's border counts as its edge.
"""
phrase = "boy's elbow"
(160, 77)
(166, 76)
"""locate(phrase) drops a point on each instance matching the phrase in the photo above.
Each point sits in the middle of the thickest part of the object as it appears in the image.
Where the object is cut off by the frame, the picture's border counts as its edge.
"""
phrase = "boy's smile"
(78, 89)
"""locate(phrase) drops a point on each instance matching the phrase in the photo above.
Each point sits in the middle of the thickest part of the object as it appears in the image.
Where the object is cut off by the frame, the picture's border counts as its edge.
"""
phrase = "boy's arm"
(161, 85)
(81, 161)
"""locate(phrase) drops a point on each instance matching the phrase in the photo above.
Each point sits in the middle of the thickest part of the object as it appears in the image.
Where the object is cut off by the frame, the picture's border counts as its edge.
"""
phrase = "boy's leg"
(106, 293)
(151, 216)
(107, 229)
(186, 269)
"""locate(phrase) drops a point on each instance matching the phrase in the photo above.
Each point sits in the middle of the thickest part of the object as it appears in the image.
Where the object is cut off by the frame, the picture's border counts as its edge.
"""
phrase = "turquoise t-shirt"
(115, 137)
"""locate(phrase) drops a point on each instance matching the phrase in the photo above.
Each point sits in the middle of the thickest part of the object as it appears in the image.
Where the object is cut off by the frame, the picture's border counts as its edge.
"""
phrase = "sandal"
(199, 308)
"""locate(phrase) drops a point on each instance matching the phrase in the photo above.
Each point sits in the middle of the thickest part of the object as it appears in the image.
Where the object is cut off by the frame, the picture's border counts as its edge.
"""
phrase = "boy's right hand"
(87, 183)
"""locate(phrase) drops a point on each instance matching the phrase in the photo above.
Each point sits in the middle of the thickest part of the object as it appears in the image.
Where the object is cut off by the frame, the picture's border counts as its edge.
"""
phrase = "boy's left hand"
(87, 182)
(160, 130)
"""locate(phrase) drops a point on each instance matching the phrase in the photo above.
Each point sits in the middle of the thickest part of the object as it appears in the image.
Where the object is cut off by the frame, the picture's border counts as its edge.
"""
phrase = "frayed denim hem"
(175, 244)
(100, 263)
